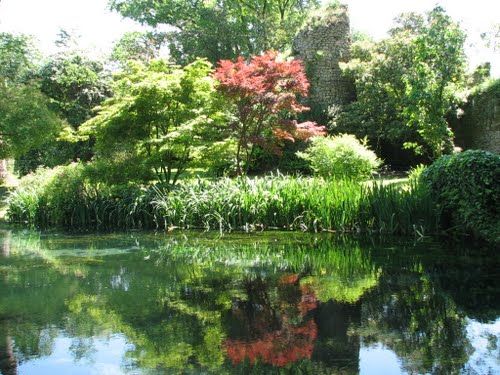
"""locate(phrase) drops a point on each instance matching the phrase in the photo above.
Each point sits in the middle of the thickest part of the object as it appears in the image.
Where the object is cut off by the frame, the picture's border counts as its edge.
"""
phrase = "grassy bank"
(65, 198)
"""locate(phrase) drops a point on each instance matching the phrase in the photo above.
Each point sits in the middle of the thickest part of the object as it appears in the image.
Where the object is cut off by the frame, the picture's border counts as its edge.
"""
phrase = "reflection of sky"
(107, 359)
(485, 357)
(108, 356)
(376, 359)
(485, 339)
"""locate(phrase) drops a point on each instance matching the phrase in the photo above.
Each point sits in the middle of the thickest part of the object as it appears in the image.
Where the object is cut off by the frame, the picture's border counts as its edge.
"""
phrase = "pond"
(245, 303)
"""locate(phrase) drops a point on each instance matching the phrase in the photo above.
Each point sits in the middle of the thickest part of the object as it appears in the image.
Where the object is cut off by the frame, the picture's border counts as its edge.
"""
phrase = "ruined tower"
(322, 43)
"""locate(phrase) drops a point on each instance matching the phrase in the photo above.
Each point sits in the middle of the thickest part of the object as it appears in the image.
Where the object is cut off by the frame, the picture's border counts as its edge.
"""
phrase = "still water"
(263, 303)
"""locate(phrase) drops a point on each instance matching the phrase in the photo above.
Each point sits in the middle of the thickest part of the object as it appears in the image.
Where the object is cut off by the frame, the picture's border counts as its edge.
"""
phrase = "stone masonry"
(322, 43)
(479, 127)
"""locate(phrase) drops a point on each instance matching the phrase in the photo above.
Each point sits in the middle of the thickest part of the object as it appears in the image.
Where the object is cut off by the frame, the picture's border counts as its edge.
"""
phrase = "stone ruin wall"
(322, 44)
(479, 127)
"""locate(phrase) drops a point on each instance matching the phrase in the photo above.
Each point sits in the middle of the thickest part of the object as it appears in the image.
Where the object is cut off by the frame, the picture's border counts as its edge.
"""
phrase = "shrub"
(466, 189)
(66, 197)
(341, 156)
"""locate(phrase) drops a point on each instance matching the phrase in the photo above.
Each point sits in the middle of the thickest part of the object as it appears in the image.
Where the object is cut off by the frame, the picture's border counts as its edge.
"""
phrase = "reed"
(65, 198)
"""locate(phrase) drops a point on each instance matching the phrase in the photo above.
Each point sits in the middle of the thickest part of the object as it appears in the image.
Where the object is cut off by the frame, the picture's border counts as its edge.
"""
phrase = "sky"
(98, 28)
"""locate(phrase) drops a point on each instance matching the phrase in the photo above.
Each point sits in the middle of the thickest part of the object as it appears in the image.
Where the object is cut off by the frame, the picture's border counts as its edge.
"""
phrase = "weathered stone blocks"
(322, 44)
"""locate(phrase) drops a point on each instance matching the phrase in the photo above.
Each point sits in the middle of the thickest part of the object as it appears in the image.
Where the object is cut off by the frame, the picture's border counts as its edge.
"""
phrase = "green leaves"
(161, 114)
(220, 29)
(467, 191)
(17, 55)
(75, 84)
(407, 83)
(25, 120)
(340, 157)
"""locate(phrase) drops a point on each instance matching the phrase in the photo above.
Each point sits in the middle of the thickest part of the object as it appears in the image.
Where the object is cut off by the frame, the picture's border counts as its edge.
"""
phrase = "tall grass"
(297, 203)
(65, 198)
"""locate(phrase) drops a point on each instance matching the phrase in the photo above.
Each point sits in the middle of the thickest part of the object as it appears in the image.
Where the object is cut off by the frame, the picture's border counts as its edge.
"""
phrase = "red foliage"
(266, 92)
(265, 80)
(291, 131)
(278, 348)
(289, 344)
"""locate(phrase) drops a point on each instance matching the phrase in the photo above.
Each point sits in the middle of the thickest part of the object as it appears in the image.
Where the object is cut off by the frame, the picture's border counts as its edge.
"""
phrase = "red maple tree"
(265, 93)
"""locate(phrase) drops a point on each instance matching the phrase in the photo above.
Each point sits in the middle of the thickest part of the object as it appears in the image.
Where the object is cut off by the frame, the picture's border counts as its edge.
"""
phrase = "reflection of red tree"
(289, 344)
(277, 348)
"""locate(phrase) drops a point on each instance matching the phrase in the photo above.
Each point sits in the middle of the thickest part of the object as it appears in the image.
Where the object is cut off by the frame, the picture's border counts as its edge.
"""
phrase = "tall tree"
(26, 121)
(222, 29)
(17, 58)
(407, 83)
(75, 85)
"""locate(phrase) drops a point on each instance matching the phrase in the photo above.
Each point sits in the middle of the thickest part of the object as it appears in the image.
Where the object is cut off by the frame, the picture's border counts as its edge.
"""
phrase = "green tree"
(220, 29)
(158, 120)
(17, 57)
(136, 45)
(406, 84)
(75, 84)
(26, 121)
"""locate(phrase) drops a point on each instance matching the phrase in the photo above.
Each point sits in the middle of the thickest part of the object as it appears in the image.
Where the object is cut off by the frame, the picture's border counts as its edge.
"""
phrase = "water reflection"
(244, 303)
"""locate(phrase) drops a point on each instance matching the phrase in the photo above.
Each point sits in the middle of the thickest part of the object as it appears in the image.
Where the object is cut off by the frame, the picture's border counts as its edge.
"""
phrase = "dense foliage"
(264, 93)
(158, 120)
(406, 84)
(220, 29)
(466, 187)
(342, 156)
(26, 119)
(74, 84)
(68, 196)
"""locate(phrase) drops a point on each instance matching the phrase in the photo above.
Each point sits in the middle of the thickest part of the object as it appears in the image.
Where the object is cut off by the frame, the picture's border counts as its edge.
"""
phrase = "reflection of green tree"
(349, 274)
(340, 289)
(170, 297)
(341, 270)
(419, 322)
(166, 345)
(166, 299)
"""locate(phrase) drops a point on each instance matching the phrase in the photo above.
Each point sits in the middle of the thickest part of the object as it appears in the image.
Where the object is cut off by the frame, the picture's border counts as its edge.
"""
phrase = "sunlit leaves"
(160, 115)
(407, 83)
(220, 29)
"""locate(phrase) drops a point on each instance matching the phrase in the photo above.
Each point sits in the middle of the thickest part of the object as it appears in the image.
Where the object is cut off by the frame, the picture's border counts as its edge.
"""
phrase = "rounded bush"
(466, 188)
(342, 156)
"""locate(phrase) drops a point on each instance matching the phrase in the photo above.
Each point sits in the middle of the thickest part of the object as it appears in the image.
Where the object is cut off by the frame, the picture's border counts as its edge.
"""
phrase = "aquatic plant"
(65, 197)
